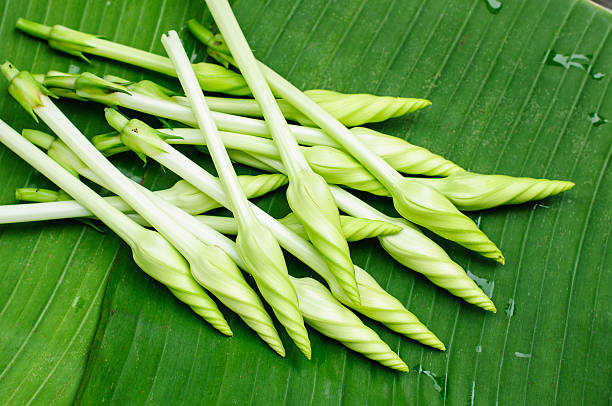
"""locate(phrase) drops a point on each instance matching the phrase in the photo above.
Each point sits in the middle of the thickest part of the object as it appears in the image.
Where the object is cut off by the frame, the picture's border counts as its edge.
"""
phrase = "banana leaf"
(520, 90)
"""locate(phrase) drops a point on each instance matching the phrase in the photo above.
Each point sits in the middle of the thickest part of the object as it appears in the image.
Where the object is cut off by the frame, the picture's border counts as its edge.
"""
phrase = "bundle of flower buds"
(188, 251)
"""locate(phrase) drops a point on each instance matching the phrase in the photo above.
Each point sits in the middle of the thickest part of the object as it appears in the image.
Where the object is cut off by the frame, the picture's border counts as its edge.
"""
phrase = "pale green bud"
(311, 201)
(338, 167)
(212, 77)
(216, 271)
(216, 78)
(60, 37)
(425, 206)
(411, 248)
(357, 109)
(473, 191)
(160, 260)
(326, 315)
(353, 228)
(264, 259)
(404, 156)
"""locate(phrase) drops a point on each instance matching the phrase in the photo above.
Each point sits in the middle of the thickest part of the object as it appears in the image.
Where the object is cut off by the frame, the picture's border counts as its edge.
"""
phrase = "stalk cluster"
(173, 241)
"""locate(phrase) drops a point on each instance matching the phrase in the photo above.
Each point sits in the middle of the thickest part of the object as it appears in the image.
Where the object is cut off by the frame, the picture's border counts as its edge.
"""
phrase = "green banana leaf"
(522, 90)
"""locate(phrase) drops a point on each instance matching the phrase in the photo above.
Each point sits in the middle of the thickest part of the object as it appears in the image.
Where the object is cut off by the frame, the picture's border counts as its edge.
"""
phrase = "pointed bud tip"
(224, 329)
(304, 346)
(490, 307)
(401, 366)
(567, 185)
(278, 348)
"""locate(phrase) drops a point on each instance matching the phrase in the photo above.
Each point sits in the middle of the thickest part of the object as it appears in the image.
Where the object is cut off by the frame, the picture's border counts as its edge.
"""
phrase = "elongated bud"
(427, 207)
(339, 168)
(216, 78)
(311, 201)
(356, 228)
(473, 191)
(326, 315)
(160, 260)
(219, 275)
(193, 201)
(358, 109)
(182, 194)
(404, 156)
(411, 248)
(263, 257)
(379, 305)
(135, 134)
(353, 228)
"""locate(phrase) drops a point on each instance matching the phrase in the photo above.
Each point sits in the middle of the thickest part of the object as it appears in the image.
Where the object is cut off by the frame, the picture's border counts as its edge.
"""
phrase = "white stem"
(237, 44)
(231, 140)
(356, 207)
(117, 221)
(185, 242)
(241, 209)
(228, 122)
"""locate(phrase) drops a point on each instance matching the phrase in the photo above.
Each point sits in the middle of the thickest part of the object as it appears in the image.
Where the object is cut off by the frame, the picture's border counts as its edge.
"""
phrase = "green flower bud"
(160, 260)
(60, 38)
(193, 201)
(311, 201)
(473, 191)
(404, 156)
(216, 271)
(326, 315)
(357, 109)
(263, 257)
(338, 167)
(411, 248)
(216, 78)
(425, 206)
(353, 228)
